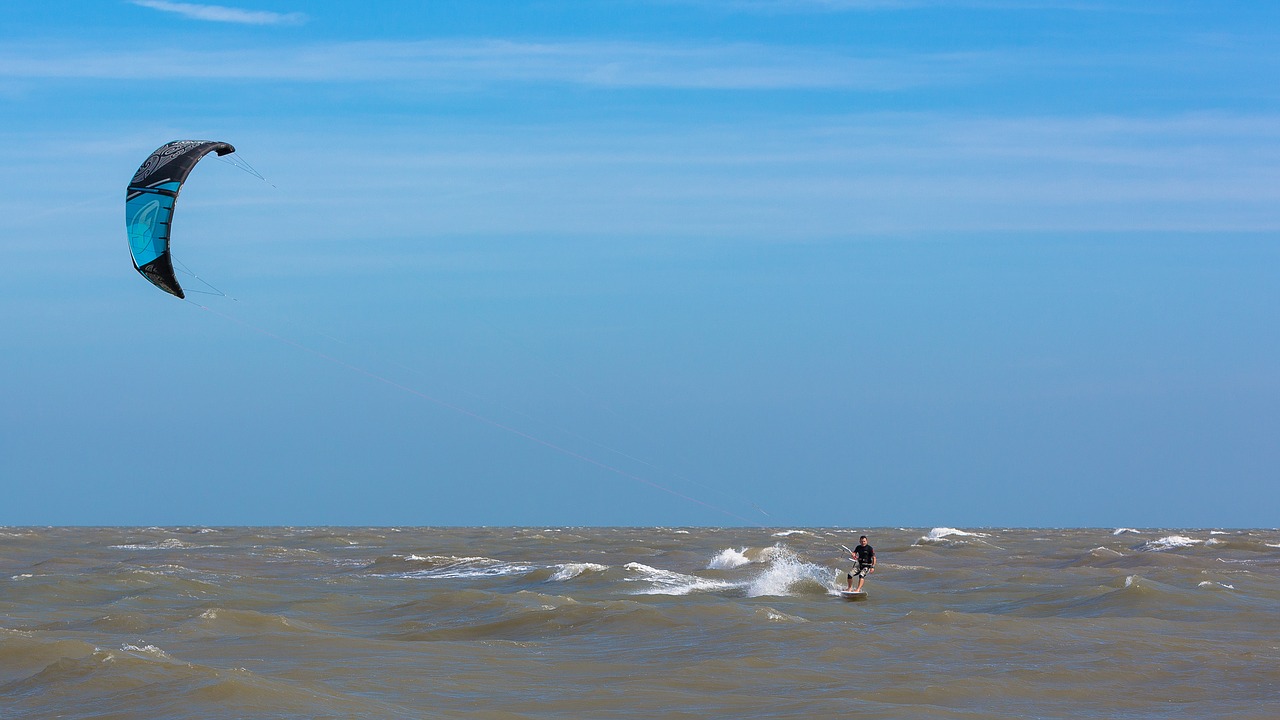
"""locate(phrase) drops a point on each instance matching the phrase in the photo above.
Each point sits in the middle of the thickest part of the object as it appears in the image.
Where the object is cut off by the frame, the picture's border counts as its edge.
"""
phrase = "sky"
(778, 263)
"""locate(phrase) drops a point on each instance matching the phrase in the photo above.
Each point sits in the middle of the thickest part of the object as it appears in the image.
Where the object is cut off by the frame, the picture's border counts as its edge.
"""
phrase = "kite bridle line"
(178, 264)
(235, 160)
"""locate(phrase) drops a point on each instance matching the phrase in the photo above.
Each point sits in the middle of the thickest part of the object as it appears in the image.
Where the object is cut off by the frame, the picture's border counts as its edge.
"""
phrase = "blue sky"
(860, 263)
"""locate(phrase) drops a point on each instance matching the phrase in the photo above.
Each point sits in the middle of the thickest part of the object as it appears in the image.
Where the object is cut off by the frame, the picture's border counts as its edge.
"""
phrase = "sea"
(569, 622)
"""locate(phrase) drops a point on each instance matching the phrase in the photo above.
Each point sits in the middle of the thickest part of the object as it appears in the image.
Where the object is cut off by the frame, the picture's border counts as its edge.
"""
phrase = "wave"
(149, 651)
(131, 623)
(142, 680)
(168, 544)
(729, 558)
(664, 581)
(1245, 541)
(1216, 585)
(669, 582)
(227, 622)
(442, 567)
(777, 616)
(276, 552)
(1097, 557)
(1218, 540)
(1130, 596)
(783, 574)
(1170, 542)
(899, 566)
(787, 574)
(527, 617)
(24, 653)
(569, 571)
(948, 536)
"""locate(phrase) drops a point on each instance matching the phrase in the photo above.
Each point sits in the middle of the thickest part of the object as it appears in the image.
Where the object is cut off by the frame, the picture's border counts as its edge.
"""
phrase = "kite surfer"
(865, 556)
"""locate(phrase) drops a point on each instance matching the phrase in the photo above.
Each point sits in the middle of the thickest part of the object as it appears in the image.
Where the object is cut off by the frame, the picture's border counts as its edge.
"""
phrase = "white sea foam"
(946, 534)
(669, 582)
(147, 650)
(450, 567)
(789, 533)
(568, 571)
(1170, 542)
(728, 559)
(1207, 584)
(1122, 531)
(784, 573)
(170, 544)
(780, 575)
(778, 616)
(494, 570)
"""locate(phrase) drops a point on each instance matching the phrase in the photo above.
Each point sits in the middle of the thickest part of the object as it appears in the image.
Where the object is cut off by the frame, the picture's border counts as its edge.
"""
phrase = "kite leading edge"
(148, 206)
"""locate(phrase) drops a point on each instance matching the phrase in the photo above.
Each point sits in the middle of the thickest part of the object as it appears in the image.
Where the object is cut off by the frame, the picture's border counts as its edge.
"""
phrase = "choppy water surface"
(636, 623)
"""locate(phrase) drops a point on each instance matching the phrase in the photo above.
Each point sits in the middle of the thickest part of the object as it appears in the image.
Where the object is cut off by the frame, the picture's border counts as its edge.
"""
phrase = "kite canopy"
(148, 206)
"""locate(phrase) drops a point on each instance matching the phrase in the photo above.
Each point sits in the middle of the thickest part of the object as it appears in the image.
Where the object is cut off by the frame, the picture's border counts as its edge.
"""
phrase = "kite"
(148, 206)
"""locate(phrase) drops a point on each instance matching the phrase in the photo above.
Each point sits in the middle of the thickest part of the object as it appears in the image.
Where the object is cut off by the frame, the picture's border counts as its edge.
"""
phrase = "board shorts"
(860, 571)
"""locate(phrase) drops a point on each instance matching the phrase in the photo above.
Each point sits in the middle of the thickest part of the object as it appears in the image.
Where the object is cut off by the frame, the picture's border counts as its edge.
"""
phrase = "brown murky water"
(636, 623)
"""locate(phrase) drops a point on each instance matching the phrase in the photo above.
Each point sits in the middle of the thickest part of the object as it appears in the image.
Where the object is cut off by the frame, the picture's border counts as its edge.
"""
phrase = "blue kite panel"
(148, 217)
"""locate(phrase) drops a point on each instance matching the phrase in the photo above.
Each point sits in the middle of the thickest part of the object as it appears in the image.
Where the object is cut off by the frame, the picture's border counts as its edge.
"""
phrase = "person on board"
(865, 556)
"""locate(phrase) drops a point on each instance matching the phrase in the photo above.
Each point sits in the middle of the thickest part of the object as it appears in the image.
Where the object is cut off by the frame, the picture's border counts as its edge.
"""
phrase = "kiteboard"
(852, 595)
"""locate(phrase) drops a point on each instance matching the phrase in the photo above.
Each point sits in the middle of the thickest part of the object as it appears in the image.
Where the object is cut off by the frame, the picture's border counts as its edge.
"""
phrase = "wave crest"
(1169, 542)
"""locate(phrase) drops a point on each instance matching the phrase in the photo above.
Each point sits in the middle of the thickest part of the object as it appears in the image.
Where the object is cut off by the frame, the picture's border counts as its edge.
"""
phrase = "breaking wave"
(771, 571)
(1170, 542)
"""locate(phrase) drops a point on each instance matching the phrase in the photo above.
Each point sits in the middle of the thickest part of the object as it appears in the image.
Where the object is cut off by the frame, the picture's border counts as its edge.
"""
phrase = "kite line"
(467, 412)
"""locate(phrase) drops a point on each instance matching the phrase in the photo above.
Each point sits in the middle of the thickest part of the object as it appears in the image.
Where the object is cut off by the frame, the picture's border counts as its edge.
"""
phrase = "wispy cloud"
(221, 13)
(893, 173)
(799, 179)
(743, 66)
(836, 6)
